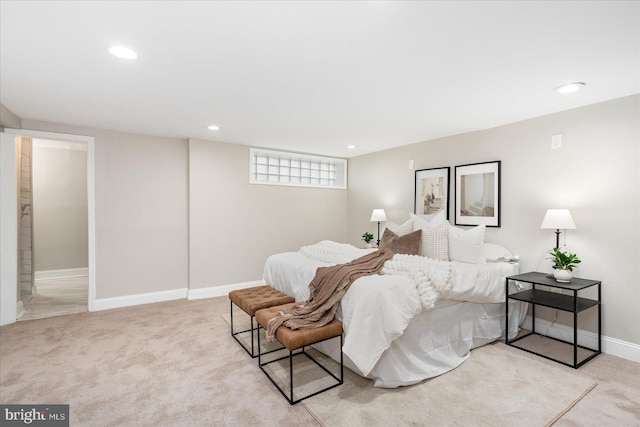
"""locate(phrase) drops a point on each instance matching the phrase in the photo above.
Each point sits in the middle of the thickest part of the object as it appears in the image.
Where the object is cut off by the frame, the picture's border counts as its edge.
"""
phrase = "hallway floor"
(57, 297)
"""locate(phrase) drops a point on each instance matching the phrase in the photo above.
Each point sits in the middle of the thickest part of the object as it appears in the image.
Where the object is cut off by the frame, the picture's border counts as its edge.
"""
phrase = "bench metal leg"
(290, 356)
(251, 352)
(254, 331)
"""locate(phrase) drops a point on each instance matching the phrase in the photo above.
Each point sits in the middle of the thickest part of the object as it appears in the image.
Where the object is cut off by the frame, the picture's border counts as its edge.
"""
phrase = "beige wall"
(141, 214)
(145, 209)
(8, 119)
(141, 210)
(60, 206)
(235, 226)
(595, 175)
(146, 244)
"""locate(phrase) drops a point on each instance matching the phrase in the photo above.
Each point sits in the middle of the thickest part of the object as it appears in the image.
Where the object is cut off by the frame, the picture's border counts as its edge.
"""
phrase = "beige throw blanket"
(326, 290)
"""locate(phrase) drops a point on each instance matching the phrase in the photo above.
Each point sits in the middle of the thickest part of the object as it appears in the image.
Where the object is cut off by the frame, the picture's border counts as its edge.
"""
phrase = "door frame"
(90, 141)
(8, 229)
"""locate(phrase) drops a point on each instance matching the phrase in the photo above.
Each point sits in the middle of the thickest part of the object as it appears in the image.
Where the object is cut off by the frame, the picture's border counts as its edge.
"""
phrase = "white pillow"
(467, 245)
(401, 230)
(435, 236)
(495, 253)
(432, 220)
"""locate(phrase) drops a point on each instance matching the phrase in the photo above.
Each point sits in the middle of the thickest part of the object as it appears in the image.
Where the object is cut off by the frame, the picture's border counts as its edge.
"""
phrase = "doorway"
(51, 279)
(54, 197)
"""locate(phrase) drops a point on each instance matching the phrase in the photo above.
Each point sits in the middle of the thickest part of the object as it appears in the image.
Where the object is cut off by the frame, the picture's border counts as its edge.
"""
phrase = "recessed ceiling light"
(213, 127)
(570, 87)
(352, 147)
(122, 52)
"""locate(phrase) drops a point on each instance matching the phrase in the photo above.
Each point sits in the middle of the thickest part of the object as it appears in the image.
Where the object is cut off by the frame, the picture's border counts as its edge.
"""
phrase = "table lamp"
(558, 219)
(378, 216)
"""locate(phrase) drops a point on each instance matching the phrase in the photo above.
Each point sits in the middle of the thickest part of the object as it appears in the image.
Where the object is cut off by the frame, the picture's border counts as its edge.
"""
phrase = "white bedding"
(389, 336)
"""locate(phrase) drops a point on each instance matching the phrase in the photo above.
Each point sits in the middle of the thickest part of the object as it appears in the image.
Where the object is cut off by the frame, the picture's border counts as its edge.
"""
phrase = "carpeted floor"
(175, 364)
(492, 388)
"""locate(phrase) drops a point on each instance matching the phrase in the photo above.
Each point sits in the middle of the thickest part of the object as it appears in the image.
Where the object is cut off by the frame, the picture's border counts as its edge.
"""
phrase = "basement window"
(301, 170)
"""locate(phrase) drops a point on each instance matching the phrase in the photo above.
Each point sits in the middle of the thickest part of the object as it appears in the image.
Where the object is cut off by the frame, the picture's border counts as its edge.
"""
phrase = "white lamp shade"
(558, 219)
(378, 215)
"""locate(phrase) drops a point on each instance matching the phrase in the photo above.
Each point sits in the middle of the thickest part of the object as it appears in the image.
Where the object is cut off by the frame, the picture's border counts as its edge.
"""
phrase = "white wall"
(59, 205)
(235, 226)
(595, 175)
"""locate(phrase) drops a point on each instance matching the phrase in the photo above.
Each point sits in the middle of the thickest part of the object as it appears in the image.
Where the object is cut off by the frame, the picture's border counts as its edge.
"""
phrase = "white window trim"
(340, 163)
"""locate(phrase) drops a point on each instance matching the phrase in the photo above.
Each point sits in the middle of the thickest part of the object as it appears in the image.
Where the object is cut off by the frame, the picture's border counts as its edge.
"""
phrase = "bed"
(392, 335)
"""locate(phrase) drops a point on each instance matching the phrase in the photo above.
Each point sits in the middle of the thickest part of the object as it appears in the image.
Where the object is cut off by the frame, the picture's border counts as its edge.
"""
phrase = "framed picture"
(478, 194)
(431, 192)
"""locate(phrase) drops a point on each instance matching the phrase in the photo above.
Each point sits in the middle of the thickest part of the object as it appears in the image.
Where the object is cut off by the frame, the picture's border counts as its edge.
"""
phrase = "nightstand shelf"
(553, 300)
(569, 303)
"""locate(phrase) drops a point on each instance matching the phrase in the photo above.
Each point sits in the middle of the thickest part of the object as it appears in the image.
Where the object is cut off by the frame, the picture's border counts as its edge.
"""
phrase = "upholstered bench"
(251, 300)
(298, 339)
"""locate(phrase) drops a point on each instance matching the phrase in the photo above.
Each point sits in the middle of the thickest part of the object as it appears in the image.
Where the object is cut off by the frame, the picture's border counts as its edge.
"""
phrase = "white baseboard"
(61, 274)
(613, 346)
(131, 300)
(19, 309)
(218, 291)
(191, 294)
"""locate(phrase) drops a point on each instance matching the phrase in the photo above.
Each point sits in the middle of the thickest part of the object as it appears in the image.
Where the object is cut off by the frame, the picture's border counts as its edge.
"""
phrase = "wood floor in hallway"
(57, 297)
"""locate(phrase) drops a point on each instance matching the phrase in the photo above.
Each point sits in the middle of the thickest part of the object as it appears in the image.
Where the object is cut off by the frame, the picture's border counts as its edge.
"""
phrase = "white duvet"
(377, 309)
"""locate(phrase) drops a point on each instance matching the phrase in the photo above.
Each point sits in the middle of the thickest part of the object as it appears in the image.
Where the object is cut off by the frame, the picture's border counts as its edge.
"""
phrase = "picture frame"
(477, 194)
(431, 194)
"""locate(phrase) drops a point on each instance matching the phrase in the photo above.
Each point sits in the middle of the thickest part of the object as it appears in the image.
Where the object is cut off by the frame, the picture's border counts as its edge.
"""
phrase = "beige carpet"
(492, 388)
(494, 380)
(174, 364)
(166, 364)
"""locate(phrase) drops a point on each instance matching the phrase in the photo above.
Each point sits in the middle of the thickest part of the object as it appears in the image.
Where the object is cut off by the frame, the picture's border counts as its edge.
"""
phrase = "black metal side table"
(569, 303)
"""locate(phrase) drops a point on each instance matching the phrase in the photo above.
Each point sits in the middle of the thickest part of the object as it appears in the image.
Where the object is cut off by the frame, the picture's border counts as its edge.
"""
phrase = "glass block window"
(283, 168)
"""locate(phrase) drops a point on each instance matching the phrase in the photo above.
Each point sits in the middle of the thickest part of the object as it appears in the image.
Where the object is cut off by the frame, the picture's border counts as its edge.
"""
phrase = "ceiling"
(313, 76)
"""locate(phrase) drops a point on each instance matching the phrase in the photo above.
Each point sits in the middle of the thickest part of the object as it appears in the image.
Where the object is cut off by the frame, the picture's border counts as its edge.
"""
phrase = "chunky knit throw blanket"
(431, 276)
(326, 290)
(333, 252)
